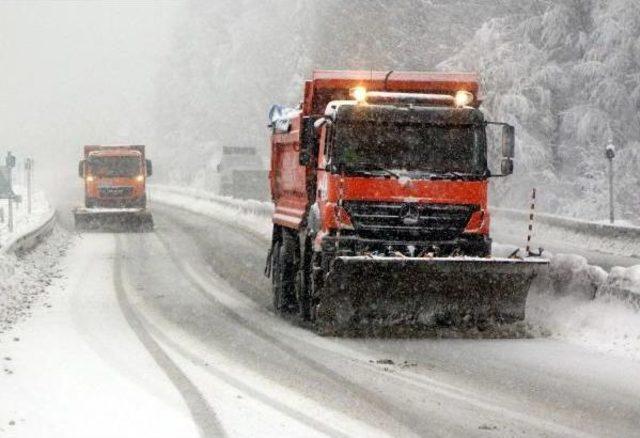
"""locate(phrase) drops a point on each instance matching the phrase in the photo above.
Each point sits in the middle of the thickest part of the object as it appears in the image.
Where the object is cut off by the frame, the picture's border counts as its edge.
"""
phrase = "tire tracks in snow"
(399, 415)
(409, 420)
(202, 413)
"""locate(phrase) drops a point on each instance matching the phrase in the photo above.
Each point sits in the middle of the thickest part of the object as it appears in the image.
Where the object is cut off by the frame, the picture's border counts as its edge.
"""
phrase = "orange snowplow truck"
(114, 187)
(380, 182)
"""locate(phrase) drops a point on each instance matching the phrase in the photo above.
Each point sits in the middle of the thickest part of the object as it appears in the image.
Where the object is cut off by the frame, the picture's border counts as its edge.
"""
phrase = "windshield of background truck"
(114, 166)
(366, 145)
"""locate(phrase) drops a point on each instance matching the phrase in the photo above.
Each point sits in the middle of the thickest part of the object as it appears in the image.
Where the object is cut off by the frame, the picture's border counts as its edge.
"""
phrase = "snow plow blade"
(373, 293)
(113, 219)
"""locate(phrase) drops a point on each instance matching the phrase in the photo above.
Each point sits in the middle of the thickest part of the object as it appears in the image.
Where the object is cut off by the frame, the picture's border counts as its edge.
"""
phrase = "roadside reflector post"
(28, 167)
(530, 233)
(610, 153)
(10, 215)
(10, 162)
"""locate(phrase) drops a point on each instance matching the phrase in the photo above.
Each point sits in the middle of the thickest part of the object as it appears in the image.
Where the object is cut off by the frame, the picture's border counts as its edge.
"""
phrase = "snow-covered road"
(171, 333)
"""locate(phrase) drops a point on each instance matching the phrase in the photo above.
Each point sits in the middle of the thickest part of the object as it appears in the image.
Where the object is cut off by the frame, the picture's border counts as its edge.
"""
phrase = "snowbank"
(583, 304)
(23, 280)
(253, 216)
(622, 284)
(24, 223)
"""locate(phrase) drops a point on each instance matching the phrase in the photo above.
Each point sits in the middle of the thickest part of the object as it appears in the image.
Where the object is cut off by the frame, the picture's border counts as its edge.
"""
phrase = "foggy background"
(187, 77)
(75, 73)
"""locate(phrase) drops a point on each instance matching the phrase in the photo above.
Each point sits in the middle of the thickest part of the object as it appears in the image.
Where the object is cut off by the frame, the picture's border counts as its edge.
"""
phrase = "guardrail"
(31, 238)
(614, 239)
(260, 208)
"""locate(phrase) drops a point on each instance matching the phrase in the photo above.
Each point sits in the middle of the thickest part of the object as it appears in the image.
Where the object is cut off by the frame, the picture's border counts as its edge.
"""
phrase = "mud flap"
(369, 292)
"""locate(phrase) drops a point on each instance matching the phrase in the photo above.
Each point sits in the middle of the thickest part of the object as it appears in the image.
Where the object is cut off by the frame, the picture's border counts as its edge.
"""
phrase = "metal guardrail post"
(28, 167)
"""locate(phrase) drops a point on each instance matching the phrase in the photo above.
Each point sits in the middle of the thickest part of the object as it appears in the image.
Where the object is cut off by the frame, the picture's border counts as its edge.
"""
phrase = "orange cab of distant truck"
(115, 176)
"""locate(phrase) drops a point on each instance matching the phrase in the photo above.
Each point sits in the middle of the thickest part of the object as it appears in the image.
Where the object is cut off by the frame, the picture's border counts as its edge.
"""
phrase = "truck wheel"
(315, 285)
(303, 281)
(284, 275)
(304, 296)
(275, 274)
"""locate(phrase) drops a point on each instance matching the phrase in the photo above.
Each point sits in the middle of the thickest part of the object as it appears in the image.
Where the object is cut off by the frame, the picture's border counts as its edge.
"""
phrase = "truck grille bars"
(115, 192)
(408, 220)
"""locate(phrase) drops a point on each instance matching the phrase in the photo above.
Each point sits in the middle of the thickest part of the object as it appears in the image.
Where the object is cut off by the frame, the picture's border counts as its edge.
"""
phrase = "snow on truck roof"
(418, 115)
(114, 150)
(119, 152)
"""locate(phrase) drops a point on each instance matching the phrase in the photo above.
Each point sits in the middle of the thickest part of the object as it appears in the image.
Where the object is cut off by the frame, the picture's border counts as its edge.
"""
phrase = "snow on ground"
(560, 305)
(576, 302)
(249, 214)
(76, 364)
(24, 280)
(23, 222)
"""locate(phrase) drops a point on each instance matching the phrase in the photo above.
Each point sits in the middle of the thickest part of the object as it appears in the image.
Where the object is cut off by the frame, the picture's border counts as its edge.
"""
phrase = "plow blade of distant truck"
(113, 220)
(373, 293)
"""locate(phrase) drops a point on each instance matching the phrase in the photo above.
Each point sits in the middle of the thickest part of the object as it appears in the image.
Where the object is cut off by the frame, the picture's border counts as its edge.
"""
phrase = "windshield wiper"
(454, 175)
(368, 168)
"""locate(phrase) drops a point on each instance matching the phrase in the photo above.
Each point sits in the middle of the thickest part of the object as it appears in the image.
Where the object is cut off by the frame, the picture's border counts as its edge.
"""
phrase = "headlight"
(359, 94)
(463, 98)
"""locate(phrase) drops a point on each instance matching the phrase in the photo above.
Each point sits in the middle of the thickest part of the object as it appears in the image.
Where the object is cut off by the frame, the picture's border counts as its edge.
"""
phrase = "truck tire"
(275, 274)
(284, 275)
(315, 284)
(303, 282)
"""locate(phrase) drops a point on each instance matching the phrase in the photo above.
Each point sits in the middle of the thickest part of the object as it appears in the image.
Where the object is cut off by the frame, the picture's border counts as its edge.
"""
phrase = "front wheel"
(282, 271)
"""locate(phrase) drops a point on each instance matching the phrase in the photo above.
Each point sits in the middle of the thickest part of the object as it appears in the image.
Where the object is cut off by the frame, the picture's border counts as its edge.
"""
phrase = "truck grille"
(408, 221)
(116, 192)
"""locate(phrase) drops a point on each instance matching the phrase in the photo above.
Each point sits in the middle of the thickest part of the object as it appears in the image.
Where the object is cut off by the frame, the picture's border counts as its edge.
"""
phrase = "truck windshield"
(114, 166)
(422, 148)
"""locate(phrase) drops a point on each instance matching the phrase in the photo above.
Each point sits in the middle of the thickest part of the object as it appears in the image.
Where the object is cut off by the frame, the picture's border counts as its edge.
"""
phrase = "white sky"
(76, 72)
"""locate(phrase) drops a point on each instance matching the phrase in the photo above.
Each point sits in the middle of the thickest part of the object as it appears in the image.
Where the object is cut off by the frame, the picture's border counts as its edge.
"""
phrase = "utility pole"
(28, 167)
(10, 162)
(610, 153)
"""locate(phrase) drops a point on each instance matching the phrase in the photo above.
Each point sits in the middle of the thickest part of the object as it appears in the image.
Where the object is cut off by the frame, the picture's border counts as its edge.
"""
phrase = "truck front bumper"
(476, 245)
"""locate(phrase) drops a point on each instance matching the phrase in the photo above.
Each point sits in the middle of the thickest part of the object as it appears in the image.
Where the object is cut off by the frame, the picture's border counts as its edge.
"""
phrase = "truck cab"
(402, 178)
(115, 177)
(115, 184)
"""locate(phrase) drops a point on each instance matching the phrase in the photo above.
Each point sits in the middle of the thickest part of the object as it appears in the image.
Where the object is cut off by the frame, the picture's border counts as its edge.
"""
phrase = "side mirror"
(149, 168)
(506, 166)
(81, 169)
(508, 141)
(319, 123)
(309, 141)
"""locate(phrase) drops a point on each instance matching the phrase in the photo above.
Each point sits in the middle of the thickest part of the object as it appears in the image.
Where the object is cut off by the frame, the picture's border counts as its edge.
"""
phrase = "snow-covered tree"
(567, 76)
